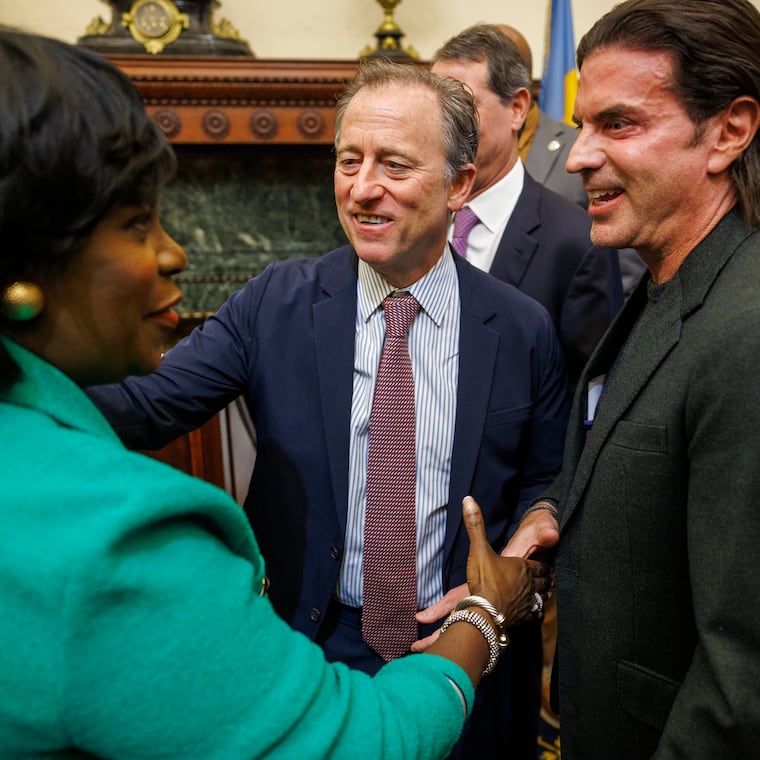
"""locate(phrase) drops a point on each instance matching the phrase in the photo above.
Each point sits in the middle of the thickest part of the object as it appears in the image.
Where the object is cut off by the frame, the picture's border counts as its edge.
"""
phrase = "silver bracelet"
(498, 619)
(476, 619)
(547, 505)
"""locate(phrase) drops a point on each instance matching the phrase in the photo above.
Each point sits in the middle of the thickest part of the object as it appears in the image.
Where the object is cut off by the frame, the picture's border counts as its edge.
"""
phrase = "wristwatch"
(155, 23)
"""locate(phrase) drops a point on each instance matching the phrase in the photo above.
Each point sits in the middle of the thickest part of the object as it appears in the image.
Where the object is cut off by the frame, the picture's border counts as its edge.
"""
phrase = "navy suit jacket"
(547, 157)
(546, 252)
(286, 342)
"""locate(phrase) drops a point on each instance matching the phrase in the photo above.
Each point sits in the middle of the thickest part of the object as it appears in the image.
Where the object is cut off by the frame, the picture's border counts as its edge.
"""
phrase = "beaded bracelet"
(547, 505)
(476, 619)
(498, 619)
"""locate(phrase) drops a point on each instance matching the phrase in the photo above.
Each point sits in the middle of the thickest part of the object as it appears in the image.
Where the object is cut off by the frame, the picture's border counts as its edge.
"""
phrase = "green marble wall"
(235, 209)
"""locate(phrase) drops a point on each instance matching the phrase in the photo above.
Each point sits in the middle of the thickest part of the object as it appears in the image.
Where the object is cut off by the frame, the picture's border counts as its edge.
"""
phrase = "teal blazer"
(133, 623)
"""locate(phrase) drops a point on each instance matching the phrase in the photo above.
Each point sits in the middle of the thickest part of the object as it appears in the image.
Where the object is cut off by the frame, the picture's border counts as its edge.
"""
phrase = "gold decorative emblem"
(389, 36)
(155, 23)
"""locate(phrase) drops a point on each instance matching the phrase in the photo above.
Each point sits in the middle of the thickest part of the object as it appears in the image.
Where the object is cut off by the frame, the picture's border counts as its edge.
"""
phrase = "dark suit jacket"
(659, 627)
(547, 157)
(546, 252)
(286, 341)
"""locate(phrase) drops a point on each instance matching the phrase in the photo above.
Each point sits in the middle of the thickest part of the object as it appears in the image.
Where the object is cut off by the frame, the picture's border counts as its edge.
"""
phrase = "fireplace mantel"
(239, 100)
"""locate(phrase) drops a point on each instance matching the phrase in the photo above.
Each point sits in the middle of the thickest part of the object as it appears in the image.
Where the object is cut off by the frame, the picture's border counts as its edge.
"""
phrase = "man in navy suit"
(545, 143)
(301, 343)
(528, 236)
(544, 147)
(534, 239)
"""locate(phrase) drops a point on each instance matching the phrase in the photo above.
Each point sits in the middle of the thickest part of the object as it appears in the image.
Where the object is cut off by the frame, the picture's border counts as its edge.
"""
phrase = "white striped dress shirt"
(434, 352)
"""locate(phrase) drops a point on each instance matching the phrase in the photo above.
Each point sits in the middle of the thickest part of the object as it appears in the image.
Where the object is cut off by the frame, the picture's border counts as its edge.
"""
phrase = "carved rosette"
(311, 124)
(169, 122)
(228, 100)
(216, 124)
(264, 124)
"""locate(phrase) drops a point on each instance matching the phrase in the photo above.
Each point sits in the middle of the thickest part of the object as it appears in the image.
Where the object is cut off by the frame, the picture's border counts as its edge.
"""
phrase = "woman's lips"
(166, 318)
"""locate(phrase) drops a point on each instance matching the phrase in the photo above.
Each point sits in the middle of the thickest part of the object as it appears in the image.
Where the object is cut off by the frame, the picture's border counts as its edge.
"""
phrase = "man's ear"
(520, 105)
(461, 186)
(737, 125)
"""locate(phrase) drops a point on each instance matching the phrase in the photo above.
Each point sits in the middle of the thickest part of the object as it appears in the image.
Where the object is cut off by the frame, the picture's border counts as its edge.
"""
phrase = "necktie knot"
(400, 312)
(464, 220)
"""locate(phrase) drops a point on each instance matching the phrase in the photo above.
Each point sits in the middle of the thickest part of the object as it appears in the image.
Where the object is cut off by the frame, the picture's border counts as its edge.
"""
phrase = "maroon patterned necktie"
(390, 535)
(464, 220)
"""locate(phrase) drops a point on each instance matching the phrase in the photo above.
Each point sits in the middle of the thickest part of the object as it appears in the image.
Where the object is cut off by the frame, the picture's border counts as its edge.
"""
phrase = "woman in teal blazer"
(135, 621)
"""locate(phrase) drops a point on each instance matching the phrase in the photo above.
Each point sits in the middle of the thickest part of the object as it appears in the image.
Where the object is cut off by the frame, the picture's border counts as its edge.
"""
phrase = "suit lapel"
(518, 244)
(478, 347)
(540, 160)
(334, 337)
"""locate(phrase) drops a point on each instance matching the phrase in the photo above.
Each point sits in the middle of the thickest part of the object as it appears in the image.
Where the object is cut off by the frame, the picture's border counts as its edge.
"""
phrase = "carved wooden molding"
(218, 100)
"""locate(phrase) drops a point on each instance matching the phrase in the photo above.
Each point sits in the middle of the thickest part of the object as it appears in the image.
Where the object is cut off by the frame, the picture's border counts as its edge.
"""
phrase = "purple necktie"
(464, 220)
(390, 534)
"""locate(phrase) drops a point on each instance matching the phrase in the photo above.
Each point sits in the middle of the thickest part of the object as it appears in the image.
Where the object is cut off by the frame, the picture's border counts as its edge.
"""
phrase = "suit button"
(335, 552)
(315, 615)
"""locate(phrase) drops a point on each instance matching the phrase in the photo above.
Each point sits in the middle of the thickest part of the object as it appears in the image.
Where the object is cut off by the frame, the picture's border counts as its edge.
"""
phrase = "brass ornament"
(97, 26)
(388, 37)
(177, 27)
(22, 301)
(155, 23)
(226, 30)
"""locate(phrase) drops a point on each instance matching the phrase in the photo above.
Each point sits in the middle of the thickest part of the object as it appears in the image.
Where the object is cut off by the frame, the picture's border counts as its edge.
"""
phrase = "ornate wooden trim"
(239, 99)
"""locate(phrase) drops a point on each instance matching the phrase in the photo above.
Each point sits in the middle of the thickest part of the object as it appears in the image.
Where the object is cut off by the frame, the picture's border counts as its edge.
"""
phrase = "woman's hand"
(509, 583)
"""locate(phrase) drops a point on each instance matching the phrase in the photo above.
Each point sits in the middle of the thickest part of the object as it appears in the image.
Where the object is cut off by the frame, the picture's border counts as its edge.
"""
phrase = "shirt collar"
(433, 291)
(490, 205)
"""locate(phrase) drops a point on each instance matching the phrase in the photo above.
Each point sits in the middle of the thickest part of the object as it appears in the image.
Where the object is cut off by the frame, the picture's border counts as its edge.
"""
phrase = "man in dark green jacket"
(656, 505)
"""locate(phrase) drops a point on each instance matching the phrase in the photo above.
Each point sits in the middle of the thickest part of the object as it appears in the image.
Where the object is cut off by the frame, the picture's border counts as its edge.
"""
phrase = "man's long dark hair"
(715, 49)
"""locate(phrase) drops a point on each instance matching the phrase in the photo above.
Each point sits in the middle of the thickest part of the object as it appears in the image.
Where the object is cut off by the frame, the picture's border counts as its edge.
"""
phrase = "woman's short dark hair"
(714, 46)
(75, 142)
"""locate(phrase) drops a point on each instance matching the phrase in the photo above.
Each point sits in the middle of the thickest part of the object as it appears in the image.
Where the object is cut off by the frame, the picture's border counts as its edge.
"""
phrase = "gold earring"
(22, 301)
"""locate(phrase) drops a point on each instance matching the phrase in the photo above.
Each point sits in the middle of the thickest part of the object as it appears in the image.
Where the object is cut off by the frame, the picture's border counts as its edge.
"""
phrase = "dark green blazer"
(659, 625)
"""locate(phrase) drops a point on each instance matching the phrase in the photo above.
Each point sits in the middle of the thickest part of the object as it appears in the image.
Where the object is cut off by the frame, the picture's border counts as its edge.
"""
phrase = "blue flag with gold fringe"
(559, 83)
